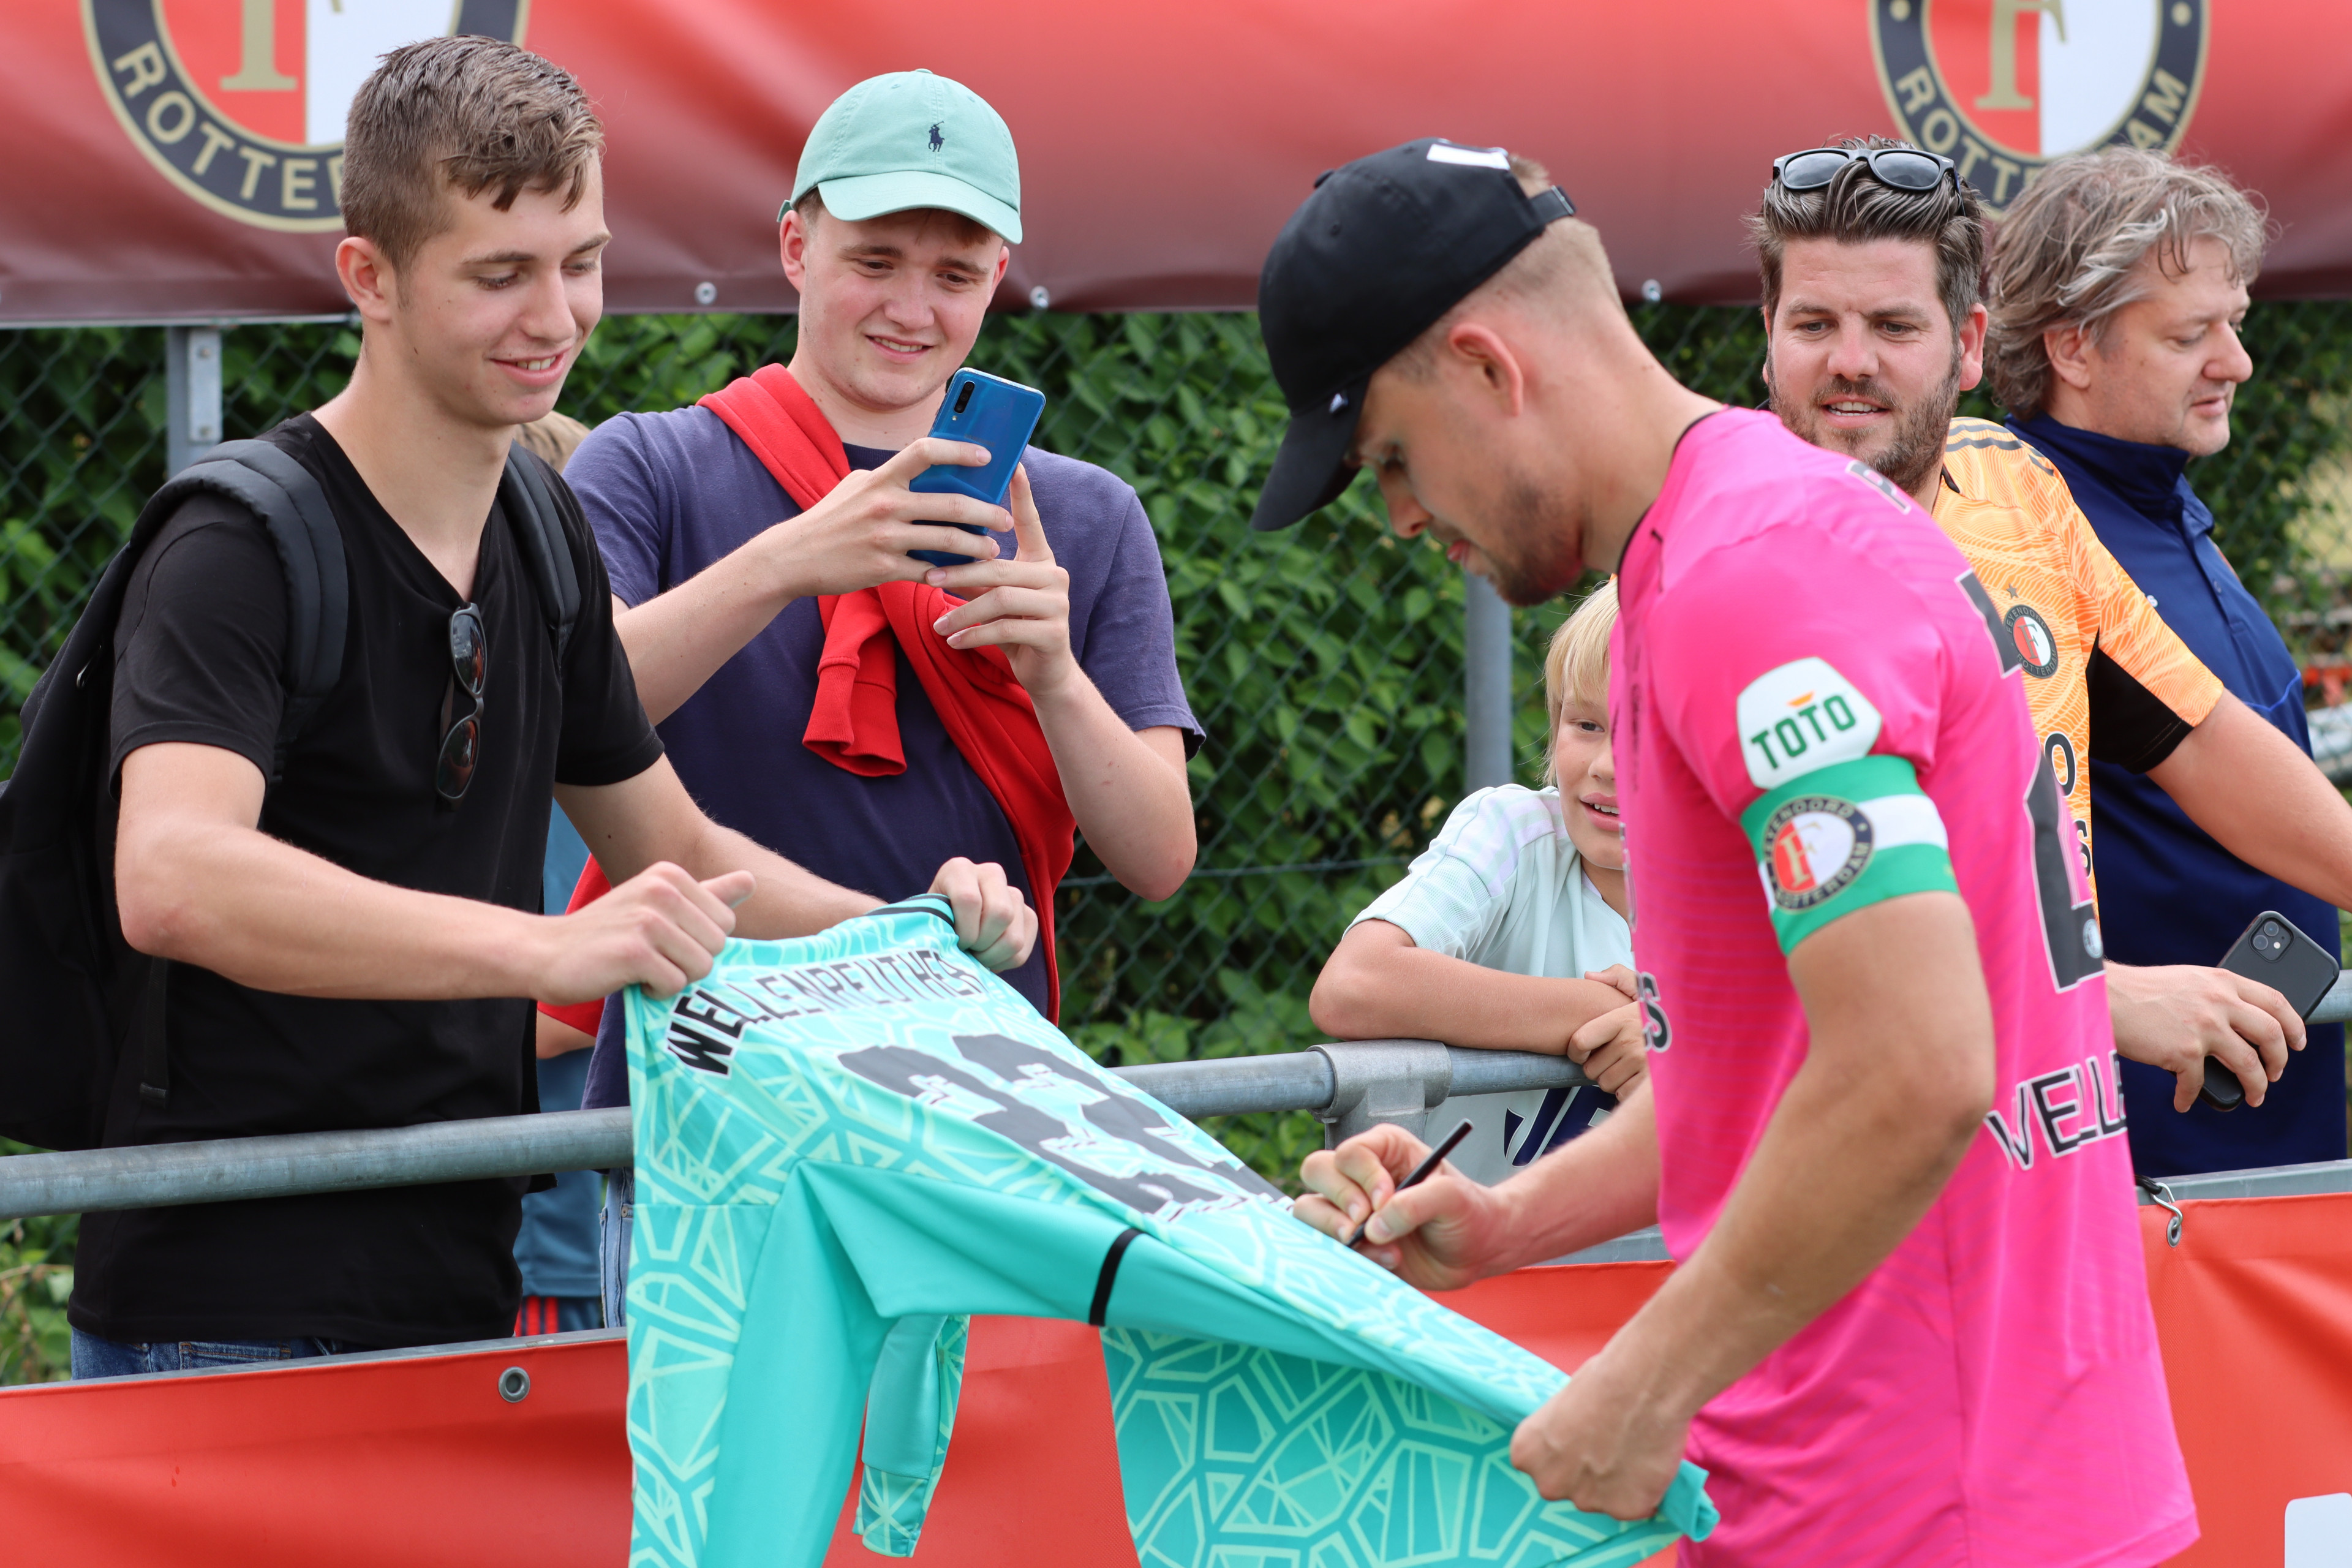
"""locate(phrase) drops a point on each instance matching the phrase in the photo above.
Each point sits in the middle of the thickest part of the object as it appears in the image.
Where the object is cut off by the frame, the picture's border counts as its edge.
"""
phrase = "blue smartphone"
(991, 412)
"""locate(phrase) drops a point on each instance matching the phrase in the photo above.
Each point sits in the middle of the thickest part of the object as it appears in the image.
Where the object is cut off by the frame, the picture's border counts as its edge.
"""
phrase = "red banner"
(180, 159)
(426, 1459)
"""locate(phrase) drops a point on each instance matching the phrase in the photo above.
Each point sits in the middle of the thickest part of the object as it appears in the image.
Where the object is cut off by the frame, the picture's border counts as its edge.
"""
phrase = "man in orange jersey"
(1873, 257)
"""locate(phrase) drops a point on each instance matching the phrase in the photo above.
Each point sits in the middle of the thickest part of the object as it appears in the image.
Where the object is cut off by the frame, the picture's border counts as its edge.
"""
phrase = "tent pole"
(192, 379)
(1487, 686)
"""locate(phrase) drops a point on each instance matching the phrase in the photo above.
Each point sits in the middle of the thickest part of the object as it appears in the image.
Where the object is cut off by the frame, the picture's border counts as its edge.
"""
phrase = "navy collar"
(2148, 480)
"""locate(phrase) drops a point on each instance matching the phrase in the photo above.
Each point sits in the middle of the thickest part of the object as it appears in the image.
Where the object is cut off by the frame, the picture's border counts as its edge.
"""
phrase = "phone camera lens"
(963, 398)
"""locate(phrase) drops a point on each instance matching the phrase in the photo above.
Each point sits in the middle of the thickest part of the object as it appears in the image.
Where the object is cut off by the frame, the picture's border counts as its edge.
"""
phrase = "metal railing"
(1350, 1085)
(2335, 1007)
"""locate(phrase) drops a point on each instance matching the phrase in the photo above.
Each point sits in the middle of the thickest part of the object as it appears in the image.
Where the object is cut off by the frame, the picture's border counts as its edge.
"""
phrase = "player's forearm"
(275, 918)
(1133, 804)
(677, 640)
(1896, 1080)
(1410, 993)
(2263, 800)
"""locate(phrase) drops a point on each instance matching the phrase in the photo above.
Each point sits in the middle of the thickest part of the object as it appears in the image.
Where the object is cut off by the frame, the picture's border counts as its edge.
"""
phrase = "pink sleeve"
(1772, 658)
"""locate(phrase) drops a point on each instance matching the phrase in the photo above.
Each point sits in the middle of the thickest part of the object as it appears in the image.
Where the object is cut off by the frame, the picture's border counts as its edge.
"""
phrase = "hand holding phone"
(988, 411)
(2275, 951)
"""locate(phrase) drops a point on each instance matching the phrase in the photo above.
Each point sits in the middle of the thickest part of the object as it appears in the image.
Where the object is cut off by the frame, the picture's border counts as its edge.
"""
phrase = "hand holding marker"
(1420, 1173)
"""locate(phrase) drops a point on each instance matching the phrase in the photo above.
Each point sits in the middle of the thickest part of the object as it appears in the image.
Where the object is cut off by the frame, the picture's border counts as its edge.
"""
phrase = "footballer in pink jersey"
(1909, 1324)
(1825, 704)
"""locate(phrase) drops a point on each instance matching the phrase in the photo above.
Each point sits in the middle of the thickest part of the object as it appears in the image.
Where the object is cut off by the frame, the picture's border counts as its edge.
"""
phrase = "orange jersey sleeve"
(2157, 690)
(2151, 666)
(2107, 679)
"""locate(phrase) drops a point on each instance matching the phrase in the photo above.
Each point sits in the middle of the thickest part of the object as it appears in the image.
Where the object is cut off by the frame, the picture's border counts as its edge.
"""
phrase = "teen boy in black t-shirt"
(351, 946)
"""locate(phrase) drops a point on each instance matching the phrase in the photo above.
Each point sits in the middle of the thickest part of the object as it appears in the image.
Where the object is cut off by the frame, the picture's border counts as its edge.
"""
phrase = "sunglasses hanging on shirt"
(461, 742)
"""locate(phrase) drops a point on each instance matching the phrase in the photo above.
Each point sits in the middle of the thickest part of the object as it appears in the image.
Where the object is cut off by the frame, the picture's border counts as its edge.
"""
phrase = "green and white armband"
(1842, 837)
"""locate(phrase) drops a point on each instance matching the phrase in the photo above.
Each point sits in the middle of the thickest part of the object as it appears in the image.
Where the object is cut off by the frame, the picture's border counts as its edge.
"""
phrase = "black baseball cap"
(1381, 249)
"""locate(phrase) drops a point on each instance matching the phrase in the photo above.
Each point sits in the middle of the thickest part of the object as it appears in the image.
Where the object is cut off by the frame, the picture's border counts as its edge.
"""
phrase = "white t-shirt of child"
(1503, 888)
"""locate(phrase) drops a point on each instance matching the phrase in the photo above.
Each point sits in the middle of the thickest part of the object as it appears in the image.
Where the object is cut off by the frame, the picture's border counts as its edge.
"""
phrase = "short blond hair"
(1576, 664)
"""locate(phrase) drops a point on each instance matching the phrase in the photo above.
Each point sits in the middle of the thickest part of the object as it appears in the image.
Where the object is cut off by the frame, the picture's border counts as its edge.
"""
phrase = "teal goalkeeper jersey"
(847, 1143)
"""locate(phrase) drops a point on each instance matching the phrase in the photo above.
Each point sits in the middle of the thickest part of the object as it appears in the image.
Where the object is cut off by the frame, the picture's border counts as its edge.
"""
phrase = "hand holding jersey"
(1882, 1138)
(661, 929)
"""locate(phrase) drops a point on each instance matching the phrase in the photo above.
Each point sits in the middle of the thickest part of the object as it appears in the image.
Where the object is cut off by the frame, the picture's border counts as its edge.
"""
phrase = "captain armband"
(1842, 837)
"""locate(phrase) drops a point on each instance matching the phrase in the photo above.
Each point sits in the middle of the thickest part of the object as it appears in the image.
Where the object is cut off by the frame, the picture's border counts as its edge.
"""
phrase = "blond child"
(1510, 931)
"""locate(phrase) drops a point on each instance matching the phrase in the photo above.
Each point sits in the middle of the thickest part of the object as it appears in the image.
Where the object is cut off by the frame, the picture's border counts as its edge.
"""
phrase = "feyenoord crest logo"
(1817, 844)
(2031, 634)
(241, 102)
(2001, 86)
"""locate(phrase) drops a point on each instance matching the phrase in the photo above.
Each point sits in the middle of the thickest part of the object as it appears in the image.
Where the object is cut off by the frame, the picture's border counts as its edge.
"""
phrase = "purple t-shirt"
(669, 494)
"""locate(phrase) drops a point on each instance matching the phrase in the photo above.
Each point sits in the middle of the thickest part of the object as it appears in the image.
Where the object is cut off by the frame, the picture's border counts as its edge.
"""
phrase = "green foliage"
(2292, 424)
(36, 1278)
(1323, 662)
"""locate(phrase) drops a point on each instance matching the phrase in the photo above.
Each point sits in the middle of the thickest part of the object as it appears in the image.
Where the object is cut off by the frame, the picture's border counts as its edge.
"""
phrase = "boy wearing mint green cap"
(895, 233)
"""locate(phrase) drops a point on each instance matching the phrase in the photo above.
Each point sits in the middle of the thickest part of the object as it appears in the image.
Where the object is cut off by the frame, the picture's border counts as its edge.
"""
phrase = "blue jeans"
(95, 1357)
(613, 1245)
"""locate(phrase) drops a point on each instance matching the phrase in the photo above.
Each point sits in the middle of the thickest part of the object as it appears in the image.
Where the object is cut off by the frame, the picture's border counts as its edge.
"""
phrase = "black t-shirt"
(200, 657)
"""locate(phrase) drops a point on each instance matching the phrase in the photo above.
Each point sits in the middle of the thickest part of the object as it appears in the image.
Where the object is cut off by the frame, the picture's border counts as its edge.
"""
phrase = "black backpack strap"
(531, 511)
(292, 507)
(290, 504)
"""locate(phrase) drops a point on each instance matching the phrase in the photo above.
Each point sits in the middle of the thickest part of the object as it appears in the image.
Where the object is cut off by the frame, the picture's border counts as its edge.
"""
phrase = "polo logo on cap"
(937, 140)
(1476, 157)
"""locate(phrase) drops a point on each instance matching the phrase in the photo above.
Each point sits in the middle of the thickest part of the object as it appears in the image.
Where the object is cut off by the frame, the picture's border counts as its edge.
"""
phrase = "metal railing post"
(1383, 1080)
(192, 384)
(1485, 686)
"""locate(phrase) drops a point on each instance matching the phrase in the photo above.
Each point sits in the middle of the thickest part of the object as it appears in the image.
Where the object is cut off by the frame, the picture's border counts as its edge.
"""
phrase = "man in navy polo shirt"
(2118, 282)
(907, 197)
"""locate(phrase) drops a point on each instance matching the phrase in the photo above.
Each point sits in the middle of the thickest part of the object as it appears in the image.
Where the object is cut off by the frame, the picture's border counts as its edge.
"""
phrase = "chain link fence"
(1325, 663)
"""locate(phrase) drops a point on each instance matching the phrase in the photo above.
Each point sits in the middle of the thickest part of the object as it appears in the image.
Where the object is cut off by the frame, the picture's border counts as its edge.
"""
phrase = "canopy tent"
(178, 159)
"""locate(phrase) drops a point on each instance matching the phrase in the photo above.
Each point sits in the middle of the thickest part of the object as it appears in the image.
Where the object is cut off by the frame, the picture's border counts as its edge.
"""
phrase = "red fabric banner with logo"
(431, 1458)
(179, 159)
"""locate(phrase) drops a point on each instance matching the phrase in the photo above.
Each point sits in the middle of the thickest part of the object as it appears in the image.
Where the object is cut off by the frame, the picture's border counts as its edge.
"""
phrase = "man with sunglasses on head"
(1872, 257)
(1891, 1338)
(352, 943)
